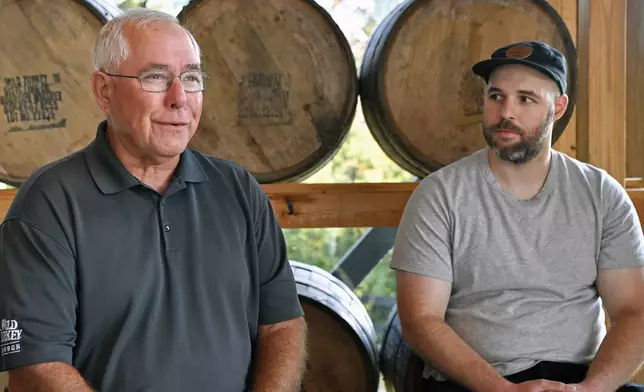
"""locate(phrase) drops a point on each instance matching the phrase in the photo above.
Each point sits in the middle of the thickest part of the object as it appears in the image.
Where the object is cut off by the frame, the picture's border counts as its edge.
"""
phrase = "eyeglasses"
(160, 81)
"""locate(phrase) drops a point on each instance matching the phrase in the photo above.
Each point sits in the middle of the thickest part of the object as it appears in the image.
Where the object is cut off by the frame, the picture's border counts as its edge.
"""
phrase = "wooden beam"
(637, 196)
(338, 205)
(634, 183)
(601, 111)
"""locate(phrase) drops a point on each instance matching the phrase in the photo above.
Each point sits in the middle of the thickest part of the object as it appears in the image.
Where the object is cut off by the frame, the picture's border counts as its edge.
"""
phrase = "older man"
(138, 264)
(504, 258)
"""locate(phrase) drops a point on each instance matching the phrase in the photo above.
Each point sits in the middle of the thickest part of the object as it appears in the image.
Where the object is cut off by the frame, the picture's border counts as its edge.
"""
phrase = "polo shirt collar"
(112, 177)
(189, 169)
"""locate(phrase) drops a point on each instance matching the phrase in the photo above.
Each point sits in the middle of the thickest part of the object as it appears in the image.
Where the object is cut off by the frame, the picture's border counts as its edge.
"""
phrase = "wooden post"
(601, 110)
(601, 113)
(634, 90)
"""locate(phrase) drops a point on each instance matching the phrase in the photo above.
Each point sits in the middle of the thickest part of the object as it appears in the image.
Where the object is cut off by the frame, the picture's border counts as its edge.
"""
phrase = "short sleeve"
(278, 298)
(423, 240)
(37, 297)
(622, 242)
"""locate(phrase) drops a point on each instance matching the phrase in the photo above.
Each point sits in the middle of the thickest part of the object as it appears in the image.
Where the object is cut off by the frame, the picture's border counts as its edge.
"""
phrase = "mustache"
(507, 124)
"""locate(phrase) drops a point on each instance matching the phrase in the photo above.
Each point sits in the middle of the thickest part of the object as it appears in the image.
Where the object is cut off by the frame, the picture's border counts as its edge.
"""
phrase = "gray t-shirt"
(523, 272)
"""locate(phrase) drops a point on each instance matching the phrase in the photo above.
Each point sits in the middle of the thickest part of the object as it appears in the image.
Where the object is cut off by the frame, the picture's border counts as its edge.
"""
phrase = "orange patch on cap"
(519, 51)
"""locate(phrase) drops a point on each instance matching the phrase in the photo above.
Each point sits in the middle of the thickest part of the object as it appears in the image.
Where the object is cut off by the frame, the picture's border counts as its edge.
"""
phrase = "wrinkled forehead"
(161, 43)
(516, 77)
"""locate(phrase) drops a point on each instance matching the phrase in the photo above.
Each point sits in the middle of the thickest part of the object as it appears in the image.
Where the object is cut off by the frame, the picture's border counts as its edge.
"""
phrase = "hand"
(581, 387)
(543, 386)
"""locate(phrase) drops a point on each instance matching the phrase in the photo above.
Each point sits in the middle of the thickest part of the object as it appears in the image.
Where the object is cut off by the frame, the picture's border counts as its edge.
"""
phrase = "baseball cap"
(535, 54)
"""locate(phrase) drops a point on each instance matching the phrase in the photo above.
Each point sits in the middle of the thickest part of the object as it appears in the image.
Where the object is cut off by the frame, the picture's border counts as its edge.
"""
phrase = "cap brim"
(484, 68)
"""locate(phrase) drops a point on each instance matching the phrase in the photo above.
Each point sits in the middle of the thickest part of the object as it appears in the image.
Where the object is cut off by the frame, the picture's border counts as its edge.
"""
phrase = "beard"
(529, 145)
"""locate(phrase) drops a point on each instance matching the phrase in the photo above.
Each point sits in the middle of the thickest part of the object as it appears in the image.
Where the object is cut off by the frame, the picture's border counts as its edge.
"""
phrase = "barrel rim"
(372, 92)
(389, 368)
(390, 320)
(342, 286)
(336, 305)
(325, 153)
(372, 88)
(12, 182)
(369, 348)
(403, 351)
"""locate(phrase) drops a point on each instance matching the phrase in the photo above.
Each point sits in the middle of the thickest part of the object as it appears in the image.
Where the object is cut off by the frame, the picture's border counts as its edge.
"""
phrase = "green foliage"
(360, 159)
(132, 4)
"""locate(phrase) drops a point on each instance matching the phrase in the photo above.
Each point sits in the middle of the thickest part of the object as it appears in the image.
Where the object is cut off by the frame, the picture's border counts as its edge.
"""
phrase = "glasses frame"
(140, 79)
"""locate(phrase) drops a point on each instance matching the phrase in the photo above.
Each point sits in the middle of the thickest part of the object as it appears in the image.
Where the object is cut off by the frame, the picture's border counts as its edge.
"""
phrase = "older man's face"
(156, 125)
(519, 111)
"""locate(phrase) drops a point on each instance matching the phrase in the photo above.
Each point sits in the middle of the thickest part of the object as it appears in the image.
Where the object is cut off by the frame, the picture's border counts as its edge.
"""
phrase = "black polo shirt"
(142, 291)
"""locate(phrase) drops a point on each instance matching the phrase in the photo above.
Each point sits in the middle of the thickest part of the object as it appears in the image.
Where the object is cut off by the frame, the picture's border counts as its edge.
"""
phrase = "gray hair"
(111, 46)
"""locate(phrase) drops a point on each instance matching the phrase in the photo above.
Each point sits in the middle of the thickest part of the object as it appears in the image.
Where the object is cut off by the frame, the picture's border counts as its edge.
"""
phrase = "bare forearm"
(438, 344)
(620, 355)
(48, 377)
(281, 359)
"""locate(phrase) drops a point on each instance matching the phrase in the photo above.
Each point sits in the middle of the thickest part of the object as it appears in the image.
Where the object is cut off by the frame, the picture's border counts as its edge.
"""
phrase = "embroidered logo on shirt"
(9, 337)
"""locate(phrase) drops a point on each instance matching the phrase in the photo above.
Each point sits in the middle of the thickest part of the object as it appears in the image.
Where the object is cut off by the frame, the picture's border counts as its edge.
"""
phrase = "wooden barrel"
(401, 367)
(283, 85)
(342, 349)
(48, 108)
(420, 98)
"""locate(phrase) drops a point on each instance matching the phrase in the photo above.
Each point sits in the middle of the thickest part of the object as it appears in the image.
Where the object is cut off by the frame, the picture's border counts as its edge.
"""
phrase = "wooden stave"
(401, 367)
(353, 317)
(378, 117)
(329, 148)
(104, 11)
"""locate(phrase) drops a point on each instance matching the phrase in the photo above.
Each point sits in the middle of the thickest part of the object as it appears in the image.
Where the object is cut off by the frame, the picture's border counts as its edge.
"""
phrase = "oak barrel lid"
(419, 96)
(48, 109)
(283, 85)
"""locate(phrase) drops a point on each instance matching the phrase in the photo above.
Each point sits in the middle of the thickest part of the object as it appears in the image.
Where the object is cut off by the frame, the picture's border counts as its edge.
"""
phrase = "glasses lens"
(155, 81)
(193, 80)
